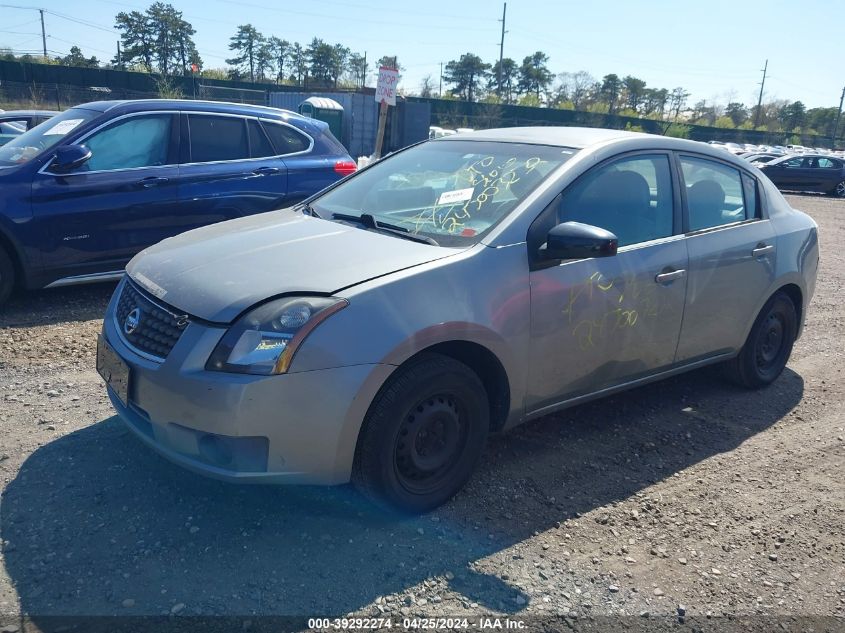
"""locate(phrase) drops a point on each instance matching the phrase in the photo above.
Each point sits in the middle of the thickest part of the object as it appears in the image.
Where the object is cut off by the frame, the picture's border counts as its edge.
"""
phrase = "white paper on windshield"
(63, 127)
(458, 195)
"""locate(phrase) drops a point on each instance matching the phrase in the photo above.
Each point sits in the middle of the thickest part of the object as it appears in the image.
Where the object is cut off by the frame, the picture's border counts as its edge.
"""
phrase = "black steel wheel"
(431, 438)
(423, 435)
(769, 345)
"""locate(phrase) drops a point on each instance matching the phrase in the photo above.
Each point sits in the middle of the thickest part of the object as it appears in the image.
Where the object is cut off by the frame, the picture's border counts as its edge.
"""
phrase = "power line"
(27, 23)
(349, 18)
(641, 63)
(70, 18)
(63, 16)
(99, 50)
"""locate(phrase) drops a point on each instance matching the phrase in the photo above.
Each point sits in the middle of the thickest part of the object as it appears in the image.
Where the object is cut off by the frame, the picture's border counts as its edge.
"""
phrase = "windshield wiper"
(307, 208)
(369, 222)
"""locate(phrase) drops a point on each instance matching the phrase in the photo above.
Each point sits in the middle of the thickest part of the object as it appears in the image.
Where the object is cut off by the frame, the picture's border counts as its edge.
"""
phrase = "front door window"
(138, 141)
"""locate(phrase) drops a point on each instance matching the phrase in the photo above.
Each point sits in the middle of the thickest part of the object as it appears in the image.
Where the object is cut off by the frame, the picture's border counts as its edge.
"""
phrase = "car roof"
(781, 159)
(139, 105)
(586, 137)
(13, 113)
(576, 137)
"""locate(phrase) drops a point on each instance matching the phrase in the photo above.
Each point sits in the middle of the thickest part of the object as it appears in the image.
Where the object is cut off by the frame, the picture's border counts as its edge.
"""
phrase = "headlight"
(265, 339)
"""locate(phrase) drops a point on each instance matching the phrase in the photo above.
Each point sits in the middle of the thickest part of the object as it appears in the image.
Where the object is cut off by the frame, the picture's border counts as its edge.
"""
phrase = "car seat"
(706, 202)
(619, 201)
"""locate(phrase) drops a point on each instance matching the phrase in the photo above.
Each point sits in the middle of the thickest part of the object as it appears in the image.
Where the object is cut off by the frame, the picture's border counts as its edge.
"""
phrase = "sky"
(715, 50)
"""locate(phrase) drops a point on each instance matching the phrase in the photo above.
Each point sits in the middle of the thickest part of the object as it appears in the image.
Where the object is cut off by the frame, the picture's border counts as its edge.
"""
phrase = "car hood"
(218, 271)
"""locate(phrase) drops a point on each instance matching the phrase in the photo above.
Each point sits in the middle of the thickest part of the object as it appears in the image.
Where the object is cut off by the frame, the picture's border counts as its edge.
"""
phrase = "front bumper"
(300, 427)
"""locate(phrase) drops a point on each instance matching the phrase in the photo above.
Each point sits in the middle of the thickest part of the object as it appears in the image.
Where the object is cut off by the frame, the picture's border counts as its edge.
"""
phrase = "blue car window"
(285, 139)
(140, 141)
(259, 144)
(216, 138)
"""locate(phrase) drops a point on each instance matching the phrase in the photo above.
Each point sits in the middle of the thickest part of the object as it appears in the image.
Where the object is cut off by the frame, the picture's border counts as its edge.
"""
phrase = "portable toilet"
(324, 109)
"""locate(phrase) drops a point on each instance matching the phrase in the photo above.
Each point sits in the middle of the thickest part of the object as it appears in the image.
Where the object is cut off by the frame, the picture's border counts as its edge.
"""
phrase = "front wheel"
(766, 351)
(423, 435)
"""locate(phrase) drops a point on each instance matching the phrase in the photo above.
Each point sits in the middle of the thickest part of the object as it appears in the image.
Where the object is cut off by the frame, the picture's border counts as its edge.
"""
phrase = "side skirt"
(607, 391)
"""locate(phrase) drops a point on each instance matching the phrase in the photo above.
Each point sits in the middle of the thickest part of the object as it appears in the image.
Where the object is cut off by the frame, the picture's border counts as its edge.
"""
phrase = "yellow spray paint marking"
(638, 300)
(489, 179)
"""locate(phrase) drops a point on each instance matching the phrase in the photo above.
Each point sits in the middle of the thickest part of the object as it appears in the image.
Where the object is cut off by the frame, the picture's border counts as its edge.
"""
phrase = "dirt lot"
(689, 492)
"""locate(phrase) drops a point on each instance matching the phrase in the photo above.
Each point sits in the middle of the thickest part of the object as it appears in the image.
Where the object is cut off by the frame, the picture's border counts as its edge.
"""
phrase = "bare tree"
(427, 87)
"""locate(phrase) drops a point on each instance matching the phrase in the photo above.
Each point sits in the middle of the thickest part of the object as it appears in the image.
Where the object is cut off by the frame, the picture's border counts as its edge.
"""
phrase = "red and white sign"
(388, 79)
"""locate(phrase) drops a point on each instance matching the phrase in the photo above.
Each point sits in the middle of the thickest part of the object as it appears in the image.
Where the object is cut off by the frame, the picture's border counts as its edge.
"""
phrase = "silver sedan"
(381, 330)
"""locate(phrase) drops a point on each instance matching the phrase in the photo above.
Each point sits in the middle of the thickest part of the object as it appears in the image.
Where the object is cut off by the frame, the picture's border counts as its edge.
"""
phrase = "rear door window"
(285, 139)
(715, 194)
(217, 138)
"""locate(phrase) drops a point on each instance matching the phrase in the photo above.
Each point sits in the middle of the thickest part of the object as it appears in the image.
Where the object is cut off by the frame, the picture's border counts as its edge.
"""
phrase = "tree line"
(532, 83)
(257, 57)
(160, 40)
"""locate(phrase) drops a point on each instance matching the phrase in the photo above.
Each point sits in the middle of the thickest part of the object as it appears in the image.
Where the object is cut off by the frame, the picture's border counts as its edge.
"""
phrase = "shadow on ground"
(94, 518)
(29, 308)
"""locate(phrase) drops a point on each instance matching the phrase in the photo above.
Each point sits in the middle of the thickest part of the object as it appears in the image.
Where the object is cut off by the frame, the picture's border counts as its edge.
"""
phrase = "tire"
(423, 435)
(766, 351)
(839, 190)
(7, 276)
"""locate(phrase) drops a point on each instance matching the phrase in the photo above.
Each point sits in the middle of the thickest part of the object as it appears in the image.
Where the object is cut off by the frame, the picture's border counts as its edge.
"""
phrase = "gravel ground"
(688, 492)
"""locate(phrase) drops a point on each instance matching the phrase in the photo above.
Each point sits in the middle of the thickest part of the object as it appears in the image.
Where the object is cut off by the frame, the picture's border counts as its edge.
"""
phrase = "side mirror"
(69, 157)
(574, 240)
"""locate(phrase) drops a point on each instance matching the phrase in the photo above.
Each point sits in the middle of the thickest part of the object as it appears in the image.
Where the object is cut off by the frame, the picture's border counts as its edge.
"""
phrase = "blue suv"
(85, 191)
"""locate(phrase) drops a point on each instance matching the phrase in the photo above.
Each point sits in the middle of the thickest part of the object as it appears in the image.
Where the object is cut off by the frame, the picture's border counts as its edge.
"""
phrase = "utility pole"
(502, 48)
(440, 89)
(760, 98)
(119, 59)
(838, 116)
(43, 32)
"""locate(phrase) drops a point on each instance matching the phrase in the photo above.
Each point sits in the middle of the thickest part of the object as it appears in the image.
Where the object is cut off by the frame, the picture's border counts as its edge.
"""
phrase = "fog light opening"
(215, 450)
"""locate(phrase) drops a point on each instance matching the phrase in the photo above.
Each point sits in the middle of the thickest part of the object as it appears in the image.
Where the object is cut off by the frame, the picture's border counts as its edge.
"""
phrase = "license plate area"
(113, 370)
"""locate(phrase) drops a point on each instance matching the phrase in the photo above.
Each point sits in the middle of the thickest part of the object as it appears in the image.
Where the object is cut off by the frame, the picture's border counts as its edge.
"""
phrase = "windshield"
(30, 144)
(451, 191)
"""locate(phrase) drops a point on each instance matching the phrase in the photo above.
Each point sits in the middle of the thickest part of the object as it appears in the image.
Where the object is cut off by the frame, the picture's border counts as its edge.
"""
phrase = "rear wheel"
(423, 435)
(839, 190)
(766, 351)
(7, 276)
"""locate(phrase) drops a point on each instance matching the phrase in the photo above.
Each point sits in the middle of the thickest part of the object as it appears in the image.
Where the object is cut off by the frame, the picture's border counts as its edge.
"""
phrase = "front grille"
(147, 325)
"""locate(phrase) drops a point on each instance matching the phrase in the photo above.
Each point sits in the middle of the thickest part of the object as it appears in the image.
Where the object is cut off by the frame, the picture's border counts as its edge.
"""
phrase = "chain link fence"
(45, 96)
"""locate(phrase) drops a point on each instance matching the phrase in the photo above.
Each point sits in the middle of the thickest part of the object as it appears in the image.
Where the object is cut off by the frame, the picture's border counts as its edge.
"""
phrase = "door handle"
(763, 249)
(266, 171)
(153, 181)
(670, 276)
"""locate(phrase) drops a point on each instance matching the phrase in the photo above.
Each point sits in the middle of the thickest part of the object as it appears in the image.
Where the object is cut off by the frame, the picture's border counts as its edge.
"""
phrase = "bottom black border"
(281, 624)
